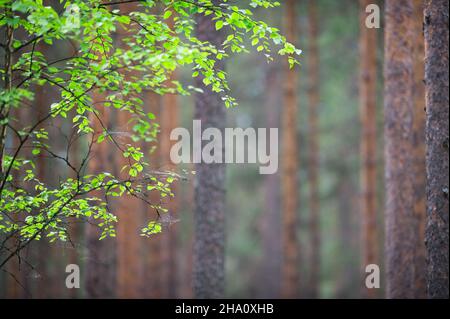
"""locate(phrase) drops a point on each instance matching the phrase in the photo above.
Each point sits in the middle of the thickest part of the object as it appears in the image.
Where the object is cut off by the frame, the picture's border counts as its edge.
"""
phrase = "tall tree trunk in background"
(313, 156)
(270, 271)
(76, 228)
(437, 104)
(418, 141)
(398, 129)
(290, 271)
(130, 221)
(153, 263)
(129, 209)
(368, 111)
(45, 251)
(209, 273)
(169, 121)
(15, 269)
(101, 264)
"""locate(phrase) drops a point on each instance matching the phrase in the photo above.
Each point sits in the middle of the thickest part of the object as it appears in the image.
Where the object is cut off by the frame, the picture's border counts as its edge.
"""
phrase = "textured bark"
(398, 129)
(368, 111)
(101, 263)
(290, 270)
(209, 188)
(418, 141)
(313, 156)
(437, 104)
(270, 264)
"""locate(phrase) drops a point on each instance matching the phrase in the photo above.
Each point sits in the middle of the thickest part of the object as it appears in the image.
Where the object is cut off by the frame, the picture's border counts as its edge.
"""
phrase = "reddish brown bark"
(290, 270)
(398, 129)
(100, 275)
(169, 121)
(153, 263)
(368, 112)
(418, 142)
(130, 221)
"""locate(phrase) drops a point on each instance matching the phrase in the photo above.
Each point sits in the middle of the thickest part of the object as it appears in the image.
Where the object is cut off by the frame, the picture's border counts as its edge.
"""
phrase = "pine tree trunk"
(398, 129)
(130, 213)
(209, 242)
(129, 243)
(153, 263)
(290, 270)
(437, 104)
(313, 158)
(418, 142)
(368, 111)
(101, 264)
(169, 121)
(270, 264)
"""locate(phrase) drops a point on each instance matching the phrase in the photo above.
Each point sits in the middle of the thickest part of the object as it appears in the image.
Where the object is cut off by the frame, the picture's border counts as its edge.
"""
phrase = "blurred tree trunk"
(130, 212)
(437, 129)
(313, 158)
(130, 221)
(209, 273)
(45, 251)
(76, 228)
(101, 262)
(169, 121)
(186, 245)
(153, 263)
(270, 271)
(15, 285)
(290, 270)
(155, 277)
(368, 111)
(398, 129)
(419, 169)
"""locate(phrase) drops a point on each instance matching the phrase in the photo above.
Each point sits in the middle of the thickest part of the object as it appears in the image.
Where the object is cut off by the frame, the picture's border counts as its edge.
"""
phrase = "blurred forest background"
(327, 88)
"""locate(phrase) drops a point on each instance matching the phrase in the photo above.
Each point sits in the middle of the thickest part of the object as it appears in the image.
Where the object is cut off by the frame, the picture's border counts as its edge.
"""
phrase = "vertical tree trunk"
(129, 208)
(368, 106)
(313, 158)
(270, 271)
(398, 129)
(153, 263)
(209, 242)
(437, 104)
(101, 264)
(15, 286)
(130, 221)
(418, 141)
(290, 280)
(169, 121)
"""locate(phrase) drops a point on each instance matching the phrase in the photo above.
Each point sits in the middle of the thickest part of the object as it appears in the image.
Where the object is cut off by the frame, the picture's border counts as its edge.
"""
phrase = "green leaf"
(167, 14)
(219, 24)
